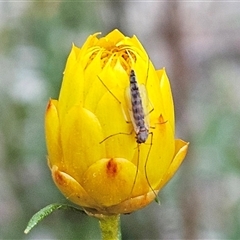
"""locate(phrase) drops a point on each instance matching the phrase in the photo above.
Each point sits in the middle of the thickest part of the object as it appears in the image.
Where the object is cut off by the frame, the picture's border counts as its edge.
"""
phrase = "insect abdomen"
(137, 110)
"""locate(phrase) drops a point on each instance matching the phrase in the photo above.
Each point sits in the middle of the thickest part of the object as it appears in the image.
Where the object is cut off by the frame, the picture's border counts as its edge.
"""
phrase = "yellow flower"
(91, 140)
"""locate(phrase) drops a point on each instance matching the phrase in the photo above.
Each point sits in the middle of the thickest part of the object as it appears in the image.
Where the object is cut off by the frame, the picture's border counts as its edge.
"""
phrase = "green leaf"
(44, 212)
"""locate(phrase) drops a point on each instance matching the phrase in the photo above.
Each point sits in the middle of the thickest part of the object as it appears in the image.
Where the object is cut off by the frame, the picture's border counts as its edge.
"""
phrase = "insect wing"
(145, 104)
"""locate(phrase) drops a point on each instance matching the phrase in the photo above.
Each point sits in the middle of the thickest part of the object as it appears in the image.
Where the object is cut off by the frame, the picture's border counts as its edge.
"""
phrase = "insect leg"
(145, 169)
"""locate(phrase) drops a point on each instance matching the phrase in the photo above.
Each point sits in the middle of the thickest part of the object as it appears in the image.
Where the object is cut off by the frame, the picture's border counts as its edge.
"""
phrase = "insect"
(139, 118)
(137, 103)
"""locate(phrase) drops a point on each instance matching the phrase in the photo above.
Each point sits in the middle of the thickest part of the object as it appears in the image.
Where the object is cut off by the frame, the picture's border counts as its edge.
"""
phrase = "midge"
(137, 103)
(138, 116)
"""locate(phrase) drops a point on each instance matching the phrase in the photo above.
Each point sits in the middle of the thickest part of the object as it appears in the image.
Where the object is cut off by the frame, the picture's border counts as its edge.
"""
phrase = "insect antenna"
(108, 89)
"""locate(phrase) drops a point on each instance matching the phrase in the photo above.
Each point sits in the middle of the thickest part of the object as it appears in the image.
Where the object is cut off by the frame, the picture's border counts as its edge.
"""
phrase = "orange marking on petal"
(49, 105)
(59, 178)
(112, 168)
(161, 119)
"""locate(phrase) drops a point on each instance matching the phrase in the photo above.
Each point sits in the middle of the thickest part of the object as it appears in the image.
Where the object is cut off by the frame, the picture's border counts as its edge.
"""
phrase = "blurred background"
(197, 42)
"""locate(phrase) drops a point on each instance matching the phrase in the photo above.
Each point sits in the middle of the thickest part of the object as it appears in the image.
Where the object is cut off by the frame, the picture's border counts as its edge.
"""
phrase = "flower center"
(111, 55)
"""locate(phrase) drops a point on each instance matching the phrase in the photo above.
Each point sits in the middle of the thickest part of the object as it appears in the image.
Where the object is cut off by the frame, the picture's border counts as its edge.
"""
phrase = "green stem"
(110, 227)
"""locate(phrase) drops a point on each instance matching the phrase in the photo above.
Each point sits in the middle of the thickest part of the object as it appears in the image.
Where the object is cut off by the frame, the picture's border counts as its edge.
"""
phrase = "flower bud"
(92, 133)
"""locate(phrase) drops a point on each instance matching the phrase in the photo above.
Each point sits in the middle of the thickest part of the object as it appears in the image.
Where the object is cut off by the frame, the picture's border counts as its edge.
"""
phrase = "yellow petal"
(71, 189)
(72, 86)
(110, 181)
(91, 64)
(80, 136)
(91, 41)
(52, 130)
(115, 36)
(167, 96)
(72, 58)
(180, 153)
(136, 43)
(133, 204)
(154, 92)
